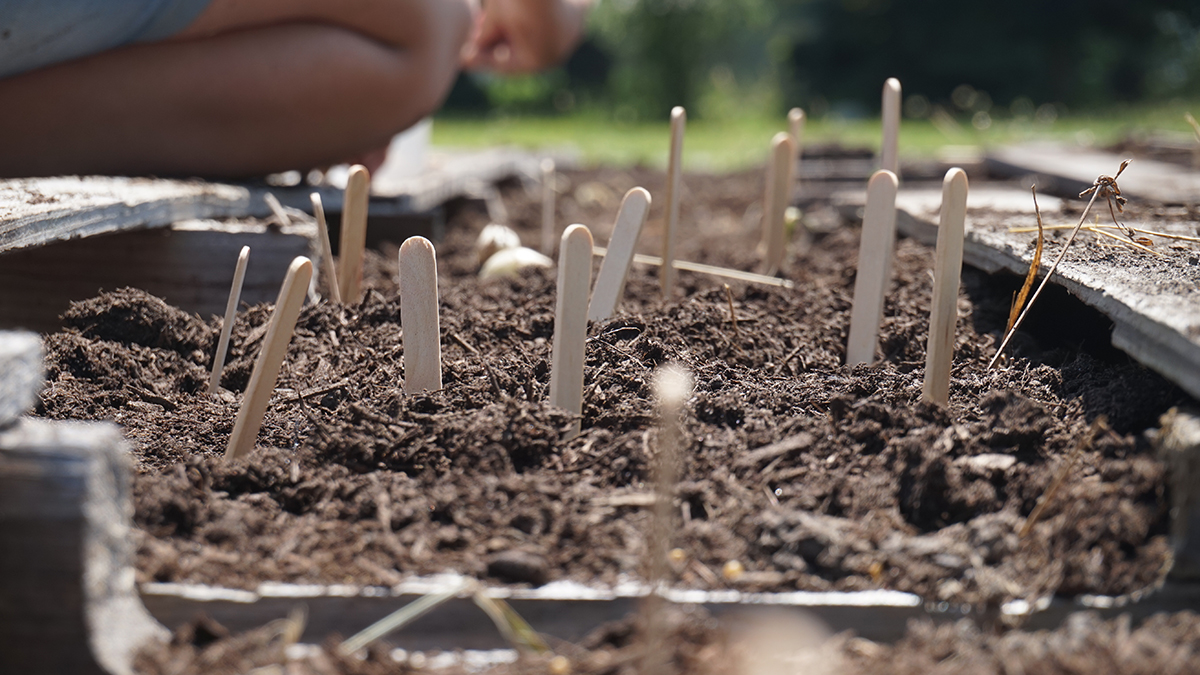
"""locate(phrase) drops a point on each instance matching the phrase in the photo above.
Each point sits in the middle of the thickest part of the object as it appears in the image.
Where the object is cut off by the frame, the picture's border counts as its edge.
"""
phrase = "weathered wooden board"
(1153, 300)
(189, 264)
(21, 374)
(1066, 171)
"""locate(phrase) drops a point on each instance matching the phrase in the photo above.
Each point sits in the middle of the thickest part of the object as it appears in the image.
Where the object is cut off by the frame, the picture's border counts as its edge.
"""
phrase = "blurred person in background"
(246, 87)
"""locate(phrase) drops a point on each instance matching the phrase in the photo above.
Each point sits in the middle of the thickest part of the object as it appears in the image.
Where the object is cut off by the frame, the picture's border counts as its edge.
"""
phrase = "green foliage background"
(727, 59)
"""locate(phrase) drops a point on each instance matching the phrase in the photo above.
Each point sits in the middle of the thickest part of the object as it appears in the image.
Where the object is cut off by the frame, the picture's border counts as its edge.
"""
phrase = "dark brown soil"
(860, 484)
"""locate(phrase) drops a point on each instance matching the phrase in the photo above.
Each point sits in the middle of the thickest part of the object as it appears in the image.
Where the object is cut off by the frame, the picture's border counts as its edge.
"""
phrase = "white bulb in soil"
(510, 261)
(495, 238)
(672, 386)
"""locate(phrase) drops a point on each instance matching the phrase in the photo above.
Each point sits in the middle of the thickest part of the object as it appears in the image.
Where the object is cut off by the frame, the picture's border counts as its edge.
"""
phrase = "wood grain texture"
(419, 316)
(354, 234)
(570, 320)
(947, 272)
(671, 196)
(68, 603)
(874, 273)
(21, 374)
(610, 282)
(270, 359)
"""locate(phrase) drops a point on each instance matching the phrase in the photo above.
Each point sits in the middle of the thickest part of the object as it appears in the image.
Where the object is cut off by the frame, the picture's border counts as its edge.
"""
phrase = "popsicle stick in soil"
(672, 389)
(270, 359)
(570, 320)
(778, 195)
(235, 295)
(666, 273)
(327, 266)
(796, 120)
(701, 268)
(548, 205)
(889, 154)
(610, 283)
(874, 267)
(947, 269)
(354, 233)
(419, 316)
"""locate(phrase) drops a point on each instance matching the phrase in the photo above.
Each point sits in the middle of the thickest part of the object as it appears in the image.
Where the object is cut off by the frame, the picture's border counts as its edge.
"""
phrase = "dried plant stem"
(1033, 266)
(1061, 254)
(1098, 228)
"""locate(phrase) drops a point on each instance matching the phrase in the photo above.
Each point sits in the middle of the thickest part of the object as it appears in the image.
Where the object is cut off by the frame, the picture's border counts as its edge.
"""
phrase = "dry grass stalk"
(419, 316)
(1100, 229)
(666, 273)
(235, 294)
(672, 388)
(875, 252)
(701, 268)
(568, 350)
(1061, 477)
(270, 359)
(354, 233)
(775, 203)
(610, 282)
(889, 154)
(549, 195)
(947, 272)
(1033, 266)
(327, 267)
(1105, 186)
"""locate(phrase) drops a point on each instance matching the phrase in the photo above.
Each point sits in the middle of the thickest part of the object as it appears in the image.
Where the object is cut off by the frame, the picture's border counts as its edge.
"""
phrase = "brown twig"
(1104, 186)
(1033, 266)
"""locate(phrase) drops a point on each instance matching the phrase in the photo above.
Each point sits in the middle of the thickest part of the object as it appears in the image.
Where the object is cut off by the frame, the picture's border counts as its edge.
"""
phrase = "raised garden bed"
(811, 475)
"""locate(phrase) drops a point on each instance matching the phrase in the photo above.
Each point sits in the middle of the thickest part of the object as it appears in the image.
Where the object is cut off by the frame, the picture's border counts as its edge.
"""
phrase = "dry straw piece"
(354, 233)
(270, 359)
(327, 266)
(776, 200)
(947, 270)
(570, 321)
(548, 205)
(875, 252)
(235, 294)
(889, 154)
(419, 316)
(666, 273)
(610, 283)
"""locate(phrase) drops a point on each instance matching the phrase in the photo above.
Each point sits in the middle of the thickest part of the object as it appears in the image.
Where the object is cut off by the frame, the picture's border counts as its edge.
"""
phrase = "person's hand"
(520, 36)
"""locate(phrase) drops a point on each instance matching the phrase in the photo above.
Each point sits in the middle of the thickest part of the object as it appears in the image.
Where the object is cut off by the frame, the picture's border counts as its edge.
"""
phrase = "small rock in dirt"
(516, 567)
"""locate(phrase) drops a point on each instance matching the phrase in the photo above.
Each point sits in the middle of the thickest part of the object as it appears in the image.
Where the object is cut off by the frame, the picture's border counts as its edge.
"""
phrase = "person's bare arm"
(515, 36)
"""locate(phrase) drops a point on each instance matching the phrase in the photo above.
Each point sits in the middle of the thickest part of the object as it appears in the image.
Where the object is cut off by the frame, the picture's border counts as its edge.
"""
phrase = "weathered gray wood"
(1178, 444)
(68, 602)
(1153, 301)
(189, 264)
(1066, 171)
(20, 374)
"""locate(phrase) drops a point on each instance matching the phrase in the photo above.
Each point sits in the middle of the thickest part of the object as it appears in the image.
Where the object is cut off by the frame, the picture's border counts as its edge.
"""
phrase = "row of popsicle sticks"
(577, 302)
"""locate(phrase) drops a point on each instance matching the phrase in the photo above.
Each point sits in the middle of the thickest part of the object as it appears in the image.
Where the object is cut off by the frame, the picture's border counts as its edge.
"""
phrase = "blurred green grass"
(742, 143)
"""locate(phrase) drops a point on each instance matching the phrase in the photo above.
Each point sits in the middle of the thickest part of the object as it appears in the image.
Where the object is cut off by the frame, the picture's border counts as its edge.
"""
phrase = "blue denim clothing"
(38, 33)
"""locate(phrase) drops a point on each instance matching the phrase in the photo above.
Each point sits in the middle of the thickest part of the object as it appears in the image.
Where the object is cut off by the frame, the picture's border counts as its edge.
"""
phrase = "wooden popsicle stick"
(874, 267)
(419, 316)
(889, 154)
(796, 119)
(548, 199)
(666, 273)
(327, 266)
(277, 210)
(570, 320)
(610, 283)
(270, 359)
(776, 200)
(235, 295)
(354, 233)
(947, 270)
